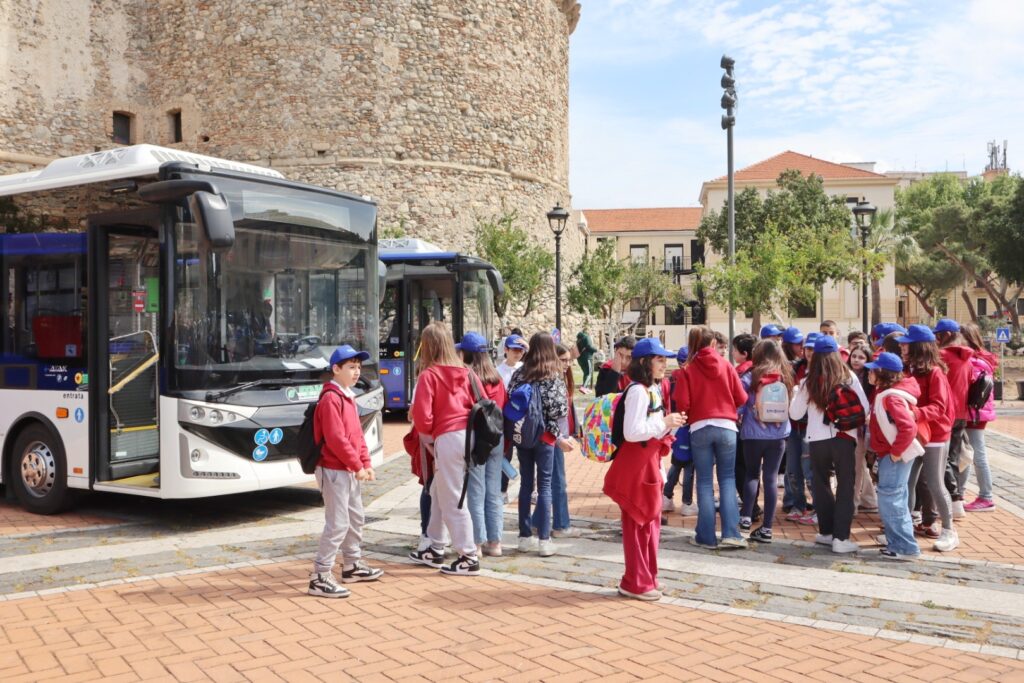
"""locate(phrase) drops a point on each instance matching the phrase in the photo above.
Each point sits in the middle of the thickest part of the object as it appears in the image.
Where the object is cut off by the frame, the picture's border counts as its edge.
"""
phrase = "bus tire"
(38, 471)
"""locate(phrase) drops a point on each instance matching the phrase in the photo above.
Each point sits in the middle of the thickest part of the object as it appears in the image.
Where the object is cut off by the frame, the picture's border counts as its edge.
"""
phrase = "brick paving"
(255, 623)
(16, 521)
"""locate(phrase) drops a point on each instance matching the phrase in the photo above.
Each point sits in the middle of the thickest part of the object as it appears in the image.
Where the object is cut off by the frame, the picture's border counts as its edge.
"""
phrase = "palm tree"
(888, 241)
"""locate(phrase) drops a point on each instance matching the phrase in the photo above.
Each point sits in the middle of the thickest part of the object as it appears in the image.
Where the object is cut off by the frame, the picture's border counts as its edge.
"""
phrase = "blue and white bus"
(425, 284)
(169, 317)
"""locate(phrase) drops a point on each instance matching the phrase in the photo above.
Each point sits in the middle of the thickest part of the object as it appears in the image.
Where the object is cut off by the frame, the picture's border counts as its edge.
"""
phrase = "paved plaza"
(130, 589)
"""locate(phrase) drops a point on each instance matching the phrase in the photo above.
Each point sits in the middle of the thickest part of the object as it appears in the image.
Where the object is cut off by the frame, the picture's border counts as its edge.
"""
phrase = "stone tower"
(442, 110)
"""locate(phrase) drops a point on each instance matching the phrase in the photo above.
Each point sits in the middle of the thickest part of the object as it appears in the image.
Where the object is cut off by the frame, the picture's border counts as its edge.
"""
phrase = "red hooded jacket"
(336, 425)
(902, 415)
(709, 388)
(958, 364)
(443, 400)
(935, 405)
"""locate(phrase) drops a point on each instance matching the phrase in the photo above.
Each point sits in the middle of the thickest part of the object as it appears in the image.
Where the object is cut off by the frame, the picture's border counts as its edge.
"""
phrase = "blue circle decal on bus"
(261, 437)
(276, 434)
(259, 454)
(79, 414)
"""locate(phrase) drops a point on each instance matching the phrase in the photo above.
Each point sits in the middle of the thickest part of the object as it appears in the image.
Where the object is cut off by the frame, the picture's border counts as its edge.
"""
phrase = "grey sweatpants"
(343, 518)
(932, 467)
(445, 491)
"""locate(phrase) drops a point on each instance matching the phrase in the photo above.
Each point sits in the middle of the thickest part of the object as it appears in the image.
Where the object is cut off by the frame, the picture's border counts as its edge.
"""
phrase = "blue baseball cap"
(682, 354)
(649, 346)
(474, 343)
(947, 325)
(886, 361)
(514, 341)
(792, 335)
(771, 330)
(883, 330)
(917, 333)
(346, 352)
(810, 339)
(825, 344)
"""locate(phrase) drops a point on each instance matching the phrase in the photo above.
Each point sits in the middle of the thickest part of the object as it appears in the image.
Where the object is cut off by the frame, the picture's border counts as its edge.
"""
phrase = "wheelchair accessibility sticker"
(261, 437)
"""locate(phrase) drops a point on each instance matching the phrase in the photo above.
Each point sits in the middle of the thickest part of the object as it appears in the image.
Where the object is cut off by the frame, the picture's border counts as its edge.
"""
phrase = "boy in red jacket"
(344, 464)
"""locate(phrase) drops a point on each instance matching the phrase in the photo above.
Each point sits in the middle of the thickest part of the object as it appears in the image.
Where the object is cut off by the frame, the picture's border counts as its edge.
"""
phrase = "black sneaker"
(361, 572)
(745, 523)
(324, 586)
(887, 554)
(761, 535)
(429, 557)
(464, 566)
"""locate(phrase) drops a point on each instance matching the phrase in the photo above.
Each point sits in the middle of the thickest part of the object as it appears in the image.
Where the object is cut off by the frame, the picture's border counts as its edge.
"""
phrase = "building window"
(638, 253)
(942, 307)
(800, 309)
(174, 125)
(674, 258)
(1020, 306)
(122, 128)
(982, 307)
(901, 309)
(635, 304)
(696, 252)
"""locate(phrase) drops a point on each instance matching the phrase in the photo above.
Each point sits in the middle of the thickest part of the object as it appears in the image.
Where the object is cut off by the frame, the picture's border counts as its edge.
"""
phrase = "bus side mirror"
(212, 213)
(382, 280)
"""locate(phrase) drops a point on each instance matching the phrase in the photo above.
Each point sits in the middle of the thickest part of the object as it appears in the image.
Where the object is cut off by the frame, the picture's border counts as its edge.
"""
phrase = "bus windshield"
(299, 281)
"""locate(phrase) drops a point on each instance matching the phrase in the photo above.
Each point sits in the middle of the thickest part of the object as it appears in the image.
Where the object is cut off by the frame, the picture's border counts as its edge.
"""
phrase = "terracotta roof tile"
(770, 168)
(643, 220)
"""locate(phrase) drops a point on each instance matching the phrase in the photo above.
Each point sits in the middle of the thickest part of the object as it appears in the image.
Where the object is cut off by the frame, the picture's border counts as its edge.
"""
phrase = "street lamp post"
(728, 123)
(864, 213)
(557, 218)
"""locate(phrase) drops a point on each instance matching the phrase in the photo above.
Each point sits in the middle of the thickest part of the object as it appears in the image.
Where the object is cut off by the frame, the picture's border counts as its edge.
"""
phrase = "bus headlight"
(216, 417)
(210, 417)
(197, 414)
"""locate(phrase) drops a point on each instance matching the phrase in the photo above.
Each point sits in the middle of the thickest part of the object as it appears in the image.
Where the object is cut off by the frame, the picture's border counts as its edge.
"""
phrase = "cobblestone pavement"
(227, 602)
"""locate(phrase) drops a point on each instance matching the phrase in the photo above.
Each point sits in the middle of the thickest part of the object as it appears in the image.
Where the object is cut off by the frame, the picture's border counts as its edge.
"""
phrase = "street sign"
(1003, 335)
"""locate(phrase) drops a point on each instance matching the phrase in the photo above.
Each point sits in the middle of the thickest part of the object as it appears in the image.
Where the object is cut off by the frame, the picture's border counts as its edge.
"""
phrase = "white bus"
(169, 318)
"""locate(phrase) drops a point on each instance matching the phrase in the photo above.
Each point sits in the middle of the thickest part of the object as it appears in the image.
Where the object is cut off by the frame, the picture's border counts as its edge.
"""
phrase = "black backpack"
(306, 446)
(980, 391)
(484, 430)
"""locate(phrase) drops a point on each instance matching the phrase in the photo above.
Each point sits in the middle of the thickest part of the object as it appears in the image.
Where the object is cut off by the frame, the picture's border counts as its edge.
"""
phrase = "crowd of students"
(893, 420)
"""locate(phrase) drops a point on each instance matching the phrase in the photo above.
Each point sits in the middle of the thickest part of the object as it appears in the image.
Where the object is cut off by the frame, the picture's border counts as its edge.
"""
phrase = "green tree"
(647, 286)
(524, 265)
(597, 287)
(886, 244)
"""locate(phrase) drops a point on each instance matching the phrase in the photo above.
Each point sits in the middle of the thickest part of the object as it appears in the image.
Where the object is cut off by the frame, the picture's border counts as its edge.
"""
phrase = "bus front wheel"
(39, 471)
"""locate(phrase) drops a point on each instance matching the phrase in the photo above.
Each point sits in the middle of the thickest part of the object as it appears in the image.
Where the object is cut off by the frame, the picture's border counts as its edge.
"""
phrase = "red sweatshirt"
(935, 406)
(743, 367)
(443, 400)
(709, 388)
(336, 425)
(901, 415)
(958, 364)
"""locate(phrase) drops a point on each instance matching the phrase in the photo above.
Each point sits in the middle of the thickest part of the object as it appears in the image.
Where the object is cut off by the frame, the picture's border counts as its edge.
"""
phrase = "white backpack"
(772, 403)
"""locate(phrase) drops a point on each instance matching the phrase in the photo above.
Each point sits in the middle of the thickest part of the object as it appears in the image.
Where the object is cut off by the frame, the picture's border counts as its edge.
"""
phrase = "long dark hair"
(570, 383)
(769, 359)
(541, 361)
(480, 363)
(922, 357)
(700, 337)
(640, 370)
(826, 372)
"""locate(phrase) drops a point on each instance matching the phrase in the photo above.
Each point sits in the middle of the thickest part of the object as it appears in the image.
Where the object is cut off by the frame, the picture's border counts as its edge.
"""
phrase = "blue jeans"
(535, 465)
(798, 473)
(981, 470)
(484, 498)
(893, 492)
(674, 470)
(559, 496)
(714, 449)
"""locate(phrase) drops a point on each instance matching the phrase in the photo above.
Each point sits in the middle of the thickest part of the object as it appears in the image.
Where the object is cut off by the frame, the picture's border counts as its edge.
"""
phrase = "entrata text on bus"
(425, 284)
(169, 318)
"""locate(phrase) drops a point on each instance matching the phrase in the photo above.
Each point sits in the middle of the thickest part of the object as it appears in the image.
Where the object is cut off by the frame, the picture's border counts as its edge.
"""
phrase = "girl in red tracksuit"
(440, 413)
(634, 478)
(922, 362)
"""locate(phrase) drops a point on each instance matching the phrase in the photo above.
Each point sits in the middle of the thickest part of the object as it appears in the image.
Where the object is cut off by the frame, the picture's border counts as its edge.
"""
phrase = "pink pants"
(640, 546)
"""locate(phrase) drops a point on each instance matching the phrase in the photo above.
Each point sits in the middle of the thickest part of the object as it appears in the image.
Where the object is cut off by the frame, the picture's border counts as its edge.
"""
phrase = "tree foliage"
(597, 283)
(524, 265)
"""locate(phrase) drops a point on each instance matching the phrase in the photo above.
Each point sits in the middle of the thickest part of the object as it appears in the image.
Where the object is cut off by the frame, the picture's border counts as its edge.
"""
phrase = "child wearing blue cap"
(344, 465)
(894, 437)
(682, 459)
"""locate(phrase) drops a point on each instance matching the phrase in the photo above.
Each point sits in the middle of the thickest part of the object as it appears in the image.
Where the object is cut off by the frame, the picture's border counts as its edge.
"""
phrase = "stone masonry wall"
(444, 111)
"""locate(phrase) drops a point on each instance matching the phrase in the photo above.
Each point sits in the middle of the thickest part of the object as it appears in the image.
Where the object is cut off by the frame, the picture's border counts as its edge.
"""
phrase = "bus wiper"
(212, 396)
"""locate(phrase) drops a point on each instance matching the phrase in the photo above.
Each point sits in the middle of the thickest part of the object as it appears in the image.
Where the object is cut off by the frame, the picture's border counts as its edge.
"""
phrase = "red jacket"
(709, 388)
(902, 415)
(336, 424)
(443, 400)
(935, 406)
(743, 367)
(958, 364)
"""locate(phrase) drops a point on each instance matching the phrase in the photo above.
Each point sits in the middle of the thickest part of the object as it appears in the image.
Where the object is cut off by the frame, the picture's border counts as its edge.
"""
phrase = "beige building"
(840, 301)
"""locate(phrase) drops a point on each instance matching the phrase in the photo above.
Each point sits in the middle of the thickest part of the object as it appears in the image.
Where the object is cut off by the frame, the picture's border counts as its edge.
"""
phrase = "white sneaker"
(667, 505)
(958, 509)
(527, 544)
(570, 532)
(823, 539)
(881, 540)
(846, 546)
(947, 540)
(546, 548)
(688, 510)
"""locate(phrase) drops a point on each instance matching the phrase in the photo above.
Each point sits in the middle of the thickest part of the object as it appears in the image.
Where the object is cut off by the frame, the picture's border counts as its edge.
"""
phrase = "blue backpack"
(524, 416)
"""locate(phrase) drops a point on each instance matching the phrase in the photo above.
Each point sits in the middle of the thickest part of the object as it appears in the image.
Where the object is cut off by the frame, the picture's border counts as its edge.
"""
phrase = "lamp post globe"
(557, 218)
(863, 214)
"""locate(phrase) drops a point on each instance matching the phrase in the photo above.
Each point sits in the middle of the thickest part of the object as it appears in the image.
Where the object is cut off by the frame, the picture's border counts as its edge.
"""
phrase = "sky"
(909, 84)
